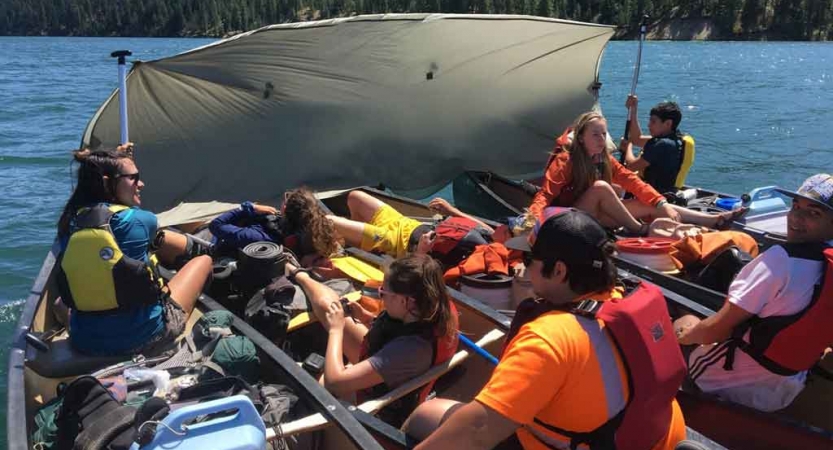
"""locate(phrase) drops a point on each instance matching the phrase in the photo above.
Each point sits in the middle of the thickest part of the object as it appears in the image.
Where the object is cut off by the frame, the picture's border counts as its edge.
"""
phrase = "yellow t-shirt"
(549, 371)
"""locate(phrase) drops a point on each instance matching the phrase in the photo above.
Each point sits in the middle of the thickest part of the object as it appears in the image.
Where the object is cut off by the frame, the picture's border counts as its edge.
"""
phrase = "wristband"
(294, 273)
(662, 203)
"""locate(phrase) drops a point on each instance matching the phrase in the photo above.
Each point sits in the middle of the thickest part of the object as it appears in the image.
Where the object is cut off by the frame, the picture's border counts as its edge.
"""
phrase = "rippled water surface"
(760, 112)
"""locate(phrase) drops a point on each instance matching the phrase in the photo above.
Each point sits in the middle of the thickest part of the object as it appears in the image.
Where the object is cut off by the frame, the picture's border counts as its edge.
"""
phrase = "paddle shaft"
(478, 349)
(121, 55)
(643, 27)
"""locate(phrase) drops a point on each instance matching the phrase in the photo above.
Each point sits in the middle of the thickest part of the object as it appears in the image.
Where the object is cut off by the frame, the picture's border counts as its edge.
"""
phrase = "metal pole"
(643, 27)
(121, 54)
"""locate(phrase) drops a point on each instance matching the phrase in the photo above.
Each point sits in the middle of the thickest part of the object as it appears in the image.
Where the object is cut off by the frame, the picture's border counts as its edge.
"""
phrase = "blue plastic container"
(243, 430)
(727, 203)
(765, 200)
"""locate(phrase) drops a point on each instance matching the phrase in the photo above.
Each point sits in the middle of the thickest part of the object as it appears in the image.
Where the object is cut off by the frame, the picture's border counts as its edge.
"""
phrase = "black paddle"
(643, 27)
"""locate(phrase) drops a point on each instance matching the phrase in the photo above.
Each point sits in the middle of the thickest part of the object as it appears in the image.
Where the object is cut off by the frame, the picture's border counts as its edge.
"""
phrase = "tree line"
(741, 19)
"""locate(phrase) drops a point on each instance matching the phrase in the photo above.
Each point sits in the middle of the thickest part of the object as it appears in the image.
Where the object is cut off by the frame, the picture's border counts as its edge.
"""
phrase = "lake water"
(760, 112)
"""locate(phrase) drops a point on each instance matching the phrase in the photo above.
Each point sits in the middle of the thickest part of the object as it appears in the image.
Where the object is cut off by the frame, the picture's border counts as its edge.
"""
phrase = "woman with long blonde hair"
(582, 176)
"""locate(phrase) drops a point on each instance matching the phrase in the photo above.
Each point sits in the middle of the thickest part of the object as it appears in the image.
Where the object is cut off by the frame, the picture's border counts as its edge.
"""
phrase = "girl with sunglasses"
(107, 273)
(416, 330)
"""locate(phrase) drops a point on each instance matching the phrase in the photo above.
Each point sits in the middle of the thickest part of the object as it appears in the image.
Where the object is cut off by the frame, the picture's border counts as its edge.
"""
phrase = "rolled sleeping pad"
(259, 263)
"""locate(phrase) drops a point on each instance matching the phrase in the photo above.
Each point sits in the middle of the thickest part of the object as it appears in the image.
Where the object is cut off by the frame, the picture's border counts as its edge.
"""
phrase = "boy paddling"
(662, 160)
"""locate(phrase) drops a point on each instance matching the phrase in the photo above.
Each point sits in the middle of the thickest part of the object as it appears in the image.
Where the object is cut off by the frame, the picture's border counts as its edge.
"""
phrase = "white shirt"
(773, 284)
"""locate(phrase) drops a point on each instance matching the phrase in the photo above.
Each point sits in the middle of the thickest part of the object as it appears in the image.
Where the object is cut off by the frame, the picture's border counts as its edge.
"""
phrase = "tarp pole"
(121, 55)
(643, 27)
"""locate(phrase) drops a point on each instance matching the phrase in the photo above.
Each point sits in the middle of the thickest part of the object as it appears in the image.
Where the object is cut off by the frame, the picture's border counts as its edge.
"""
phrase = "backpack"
(456, 239)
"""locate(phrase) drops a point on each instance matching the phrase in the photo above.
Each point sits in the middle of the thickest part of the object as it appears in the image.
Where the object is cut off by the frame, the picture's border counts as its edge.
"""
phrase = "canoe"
(490, 195)
(35, 373)
(738, 427)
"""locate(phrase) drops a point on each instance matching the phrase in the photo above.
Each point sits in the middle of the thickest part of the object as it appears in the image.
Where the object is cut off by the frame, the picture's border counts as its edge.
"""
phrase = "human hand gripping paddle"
(643, 28)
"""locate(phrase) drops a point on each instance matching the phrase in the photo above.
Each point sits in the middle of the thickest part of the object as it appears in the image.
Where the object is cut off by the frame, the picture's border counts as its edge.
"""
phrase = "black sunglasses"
(133, 177)
(527, 259)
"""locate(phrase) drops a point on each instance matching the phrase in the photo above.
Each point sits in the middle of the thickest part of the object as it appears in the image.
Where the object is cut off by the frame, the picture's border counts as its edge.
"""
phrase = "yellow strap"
(687, 161)
(306, 318)
(357, 269)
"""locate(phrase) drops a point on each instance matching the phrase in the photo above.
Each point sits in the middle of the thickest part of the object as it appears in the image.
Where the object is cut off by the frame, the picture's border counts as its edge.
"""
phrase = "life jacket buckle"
(587, 308)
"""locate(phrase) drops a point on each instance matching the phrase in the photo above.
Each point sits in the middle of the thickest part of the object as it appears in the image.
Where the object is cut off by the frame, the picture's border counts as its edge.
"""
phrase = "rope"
(159, 422)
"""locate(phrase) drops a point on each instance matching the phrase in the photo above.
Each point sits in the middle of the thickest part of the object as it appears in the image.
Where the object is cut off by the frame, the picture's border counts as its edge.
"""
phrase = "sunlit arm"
(716, 328)
(473, 426)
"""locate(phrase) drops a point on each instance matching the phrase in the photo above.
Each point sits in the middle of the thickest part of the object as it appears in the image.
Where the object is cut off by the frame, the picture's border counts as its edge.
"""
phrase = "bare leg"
(706, 219)
(187, 284)
(601, 202)
(320, 296)
(428, 416)
(349, 230)
(362, 206)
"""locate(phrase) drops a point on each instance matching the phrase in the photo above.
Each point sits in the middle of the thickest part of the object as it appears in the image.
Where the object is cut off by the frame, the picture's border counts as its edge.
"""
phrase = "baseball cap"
(817, 189)
(565, 234)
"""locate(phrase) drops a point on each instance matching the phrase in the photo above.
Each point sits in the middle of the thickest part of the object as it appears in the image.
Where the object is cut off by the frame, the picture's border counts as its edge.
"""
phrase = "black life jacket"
(787, 345)
(386, 329)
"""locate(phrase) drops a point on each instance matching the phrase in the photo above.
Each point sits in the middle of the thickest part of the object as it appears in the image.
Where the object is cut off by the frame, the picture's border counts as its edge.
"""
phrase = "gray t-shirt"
(402, 359)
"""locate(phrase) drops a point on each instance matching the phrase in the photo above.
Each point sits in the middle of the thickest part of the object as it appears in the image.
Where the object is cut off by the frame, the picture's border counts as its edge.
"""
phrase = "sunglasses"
(527, 259)
(133, 177)
(383, 292)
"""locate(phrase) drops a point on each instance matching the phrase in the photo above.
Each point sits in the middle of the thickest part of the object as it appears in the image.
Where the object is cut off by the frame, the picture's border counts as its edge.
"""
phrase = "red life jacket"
(456, 239)
(787, 345)
(641, 329)
(383, 331)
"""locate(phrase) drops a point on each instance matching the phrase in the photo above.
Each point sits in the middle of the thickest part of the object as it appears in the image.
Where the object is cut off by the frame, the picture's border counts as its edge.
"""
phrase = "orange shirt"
(550, 372)
(557, 184)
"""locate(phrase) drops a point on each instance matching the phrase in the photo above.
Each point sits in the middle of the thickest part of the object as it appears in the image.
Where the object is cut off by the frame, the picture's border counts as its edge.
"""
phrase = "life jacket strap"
(602, 438)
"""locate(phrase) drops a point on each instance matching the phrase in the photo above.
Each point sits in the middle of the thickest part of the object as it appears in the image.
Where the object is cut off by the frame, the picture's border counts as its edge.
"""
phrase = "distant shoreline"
(667, 29)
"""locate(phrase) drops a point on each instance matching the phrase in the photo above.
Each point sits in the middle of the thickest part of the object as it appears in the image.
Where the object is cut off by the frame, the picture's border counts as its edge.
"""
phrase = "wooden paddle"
(318, 421)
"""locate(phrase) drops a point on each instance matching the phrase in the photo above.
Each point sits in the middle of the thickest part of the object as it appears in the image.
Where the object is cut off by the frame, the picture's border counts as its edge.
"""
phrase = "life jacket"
(384, 330)
(95, 276)
(456, 239)
(641, 329)
(787, 345)
(685, 144)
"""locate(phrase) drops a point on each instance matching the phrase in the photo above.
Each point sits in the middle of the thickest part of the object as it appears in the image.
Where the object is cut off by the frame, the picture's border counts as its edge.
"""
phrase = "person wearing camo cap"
(775, 323)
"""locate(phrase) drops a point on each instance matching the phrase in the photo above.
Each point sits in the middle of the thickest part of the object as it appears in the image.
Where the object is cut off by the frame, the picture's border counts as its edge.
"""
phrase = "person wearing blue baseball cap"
(775, 324)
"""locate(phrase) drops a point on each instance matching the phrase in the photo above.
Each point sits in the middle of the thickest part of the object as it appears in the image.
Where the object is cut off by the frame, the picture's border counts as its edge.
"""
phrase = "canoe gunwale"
(16, 427)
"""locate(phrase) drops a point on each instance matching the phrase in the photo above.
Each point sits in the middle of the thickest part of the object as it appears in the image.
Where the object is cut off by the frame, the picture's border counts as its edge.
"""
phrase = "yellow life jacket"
(686, 161)
(95, 276)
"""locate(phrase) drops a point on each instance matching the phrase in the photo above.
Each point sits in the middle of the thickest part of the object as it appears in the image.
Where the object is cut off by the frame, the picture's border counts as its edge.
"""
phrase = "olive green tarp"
(408, 100)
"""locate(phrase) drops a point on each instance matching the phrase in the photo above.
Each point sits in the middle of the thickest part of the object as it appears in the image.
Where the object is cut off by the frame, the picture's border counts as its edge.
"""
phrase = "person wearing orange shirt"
(559, 371)
(581, 175)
